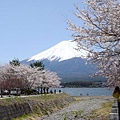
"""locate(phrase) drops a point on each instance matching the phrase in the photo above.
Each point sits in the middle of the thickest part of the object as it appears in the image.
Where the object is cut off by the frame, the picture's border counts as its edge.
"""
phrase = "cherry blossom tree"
(100, 35)
(26, 77)
(52, 80)
(49, 80)
(18, 76)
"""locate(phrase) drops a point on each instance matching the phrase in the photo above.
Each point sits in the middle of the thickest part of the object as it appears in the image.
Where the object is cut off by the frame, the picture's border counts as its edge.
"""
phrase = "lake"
(86, 91)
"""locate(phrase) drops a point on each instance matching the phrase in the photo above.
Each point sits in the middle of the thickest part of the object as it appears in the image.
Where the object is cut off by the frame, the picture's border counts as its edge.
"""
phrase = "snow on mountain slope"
(62, 51)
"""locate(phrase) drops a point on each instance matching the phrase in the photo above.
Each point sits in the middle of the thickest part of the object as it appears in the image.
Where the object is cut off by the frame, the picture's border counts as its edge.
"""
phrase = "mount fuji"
(62, 51)
(68, 62)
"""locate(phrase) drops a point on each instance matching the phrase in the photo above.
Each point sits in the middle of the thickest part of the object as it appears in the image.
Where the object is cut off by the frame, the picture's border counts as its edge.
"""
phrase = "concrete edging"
(114, 111)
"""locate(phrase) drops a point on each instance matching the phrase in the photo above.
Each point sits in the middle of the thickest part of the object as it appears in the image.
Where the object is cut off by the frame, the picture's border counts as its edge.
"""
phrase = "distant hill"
(69, 63)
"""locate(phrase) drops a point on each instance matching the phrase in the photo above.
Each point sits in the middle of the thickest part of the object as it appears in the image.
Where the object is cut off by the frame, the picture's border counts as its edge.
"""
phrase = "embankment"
(41, 104)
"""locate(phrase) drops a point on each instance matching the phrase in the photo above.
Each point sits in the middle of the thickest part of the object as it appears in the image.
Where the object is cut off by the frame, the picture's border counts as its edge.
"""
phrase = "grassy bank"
(37, 106)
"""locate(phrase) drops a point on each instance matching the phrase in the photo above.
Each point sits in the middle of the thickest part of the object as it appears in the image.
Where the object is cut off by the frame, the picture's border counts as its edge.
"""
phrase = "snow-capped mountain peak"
(62, 51)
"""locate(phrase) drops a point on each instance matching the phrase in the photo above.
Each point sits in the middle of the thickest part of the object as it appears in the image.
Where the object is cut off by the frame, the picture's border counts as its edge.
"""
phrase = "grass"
(27, 117)
(41, 98)
(103, 112)
(11, 101)
(45, 97)
(44, 100)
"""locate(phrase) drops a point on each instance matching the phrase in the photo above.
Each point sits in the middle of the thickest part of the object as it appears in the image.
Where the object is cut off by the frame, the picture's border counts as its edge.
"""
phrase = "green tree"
(15, 62)
(37, 64)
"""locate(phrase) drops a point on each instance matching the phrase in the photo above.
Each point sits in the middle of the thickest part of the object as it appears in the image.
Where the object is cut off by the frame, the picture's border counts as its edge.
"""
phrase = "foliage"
(37, 64)
(25, 77)
(29, 91)
(15, 62)
(100, 35)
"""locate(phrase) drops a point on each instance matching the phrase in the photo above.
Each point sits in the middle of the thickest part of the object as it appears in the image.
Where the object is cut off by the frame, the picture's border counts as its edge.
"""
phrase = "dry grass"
(103, 112)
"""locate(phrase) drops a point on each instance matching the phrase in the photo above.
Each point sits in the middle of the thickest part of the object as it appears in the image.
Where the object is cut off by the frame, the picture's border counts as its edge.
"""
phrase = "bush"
(29, 92)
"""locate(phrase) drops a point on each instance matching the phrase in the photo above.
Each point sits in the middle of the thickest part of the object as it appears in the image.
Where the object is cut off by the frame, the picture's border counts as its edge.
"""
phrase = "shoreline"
(87, 97)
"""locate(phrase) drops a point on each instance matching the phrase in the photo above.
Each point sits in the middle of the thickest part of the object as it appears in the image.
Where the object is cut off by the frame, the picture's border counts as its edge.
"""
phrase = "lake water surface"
(86, 91)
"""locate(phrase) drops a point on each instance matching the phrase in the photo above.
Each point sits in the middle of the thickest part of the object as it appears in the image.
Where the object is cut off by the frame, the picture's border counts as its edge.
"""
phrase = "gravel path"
(77, 110)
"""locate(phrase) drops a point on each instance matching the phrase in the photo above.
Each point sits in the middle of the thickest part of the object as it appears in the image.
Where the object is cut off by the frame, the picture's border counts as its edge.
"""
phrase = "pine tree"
(37, 64)
(15, 62)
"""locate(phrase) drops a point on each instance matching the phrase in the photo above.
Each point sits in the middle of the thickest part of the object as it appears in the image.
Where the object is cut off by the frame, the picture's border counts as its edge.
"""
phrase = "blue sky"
(28, 27)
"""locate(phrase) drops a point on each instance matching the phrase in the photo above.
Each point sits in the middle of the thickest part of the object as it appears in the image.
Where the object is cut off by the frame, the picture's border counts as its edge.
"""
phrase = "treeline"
(82, 84)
